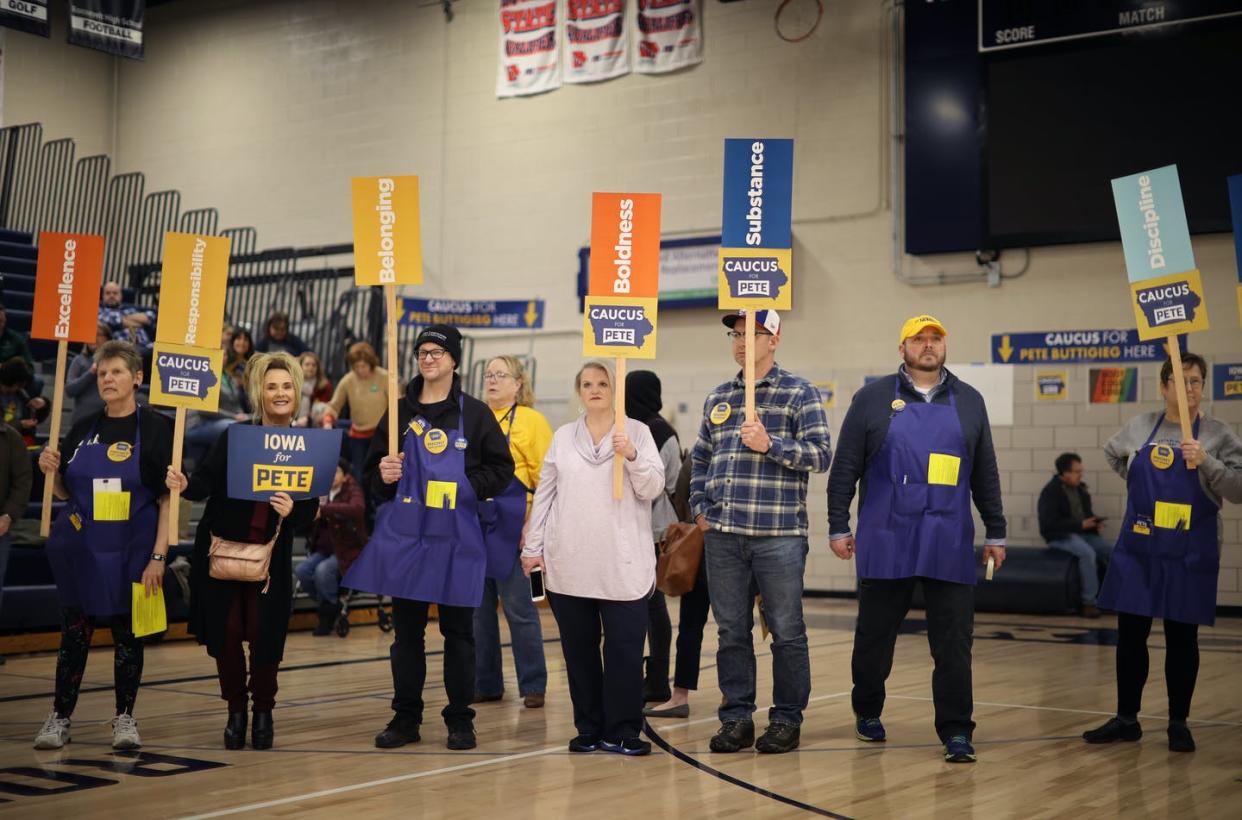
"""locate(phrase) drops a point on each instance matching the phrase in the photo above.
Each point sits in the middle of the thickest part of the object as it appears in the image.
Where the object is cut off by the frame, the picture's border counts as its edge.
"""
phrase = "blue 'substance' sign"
(621, 325)
(184, 375)
(758, 193)
(264, 461)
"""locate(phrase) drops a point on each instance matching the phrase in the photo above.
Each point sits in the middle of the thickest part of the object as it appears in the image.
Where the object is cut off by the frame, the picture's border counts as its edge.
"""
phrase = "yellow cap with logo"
(916, 323)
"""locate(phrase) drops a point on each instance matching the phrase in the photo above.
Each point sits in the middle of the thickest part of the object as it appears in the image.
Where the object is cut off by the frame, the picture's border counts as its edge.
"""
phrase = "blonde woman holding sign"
(113, 532)
(599, 568)
(224, 613)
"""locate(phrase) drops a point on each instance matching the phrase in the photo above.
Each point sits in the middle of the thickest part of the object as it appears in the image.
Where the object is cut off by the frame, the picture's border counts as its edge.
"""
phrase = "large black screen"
(1061, 120)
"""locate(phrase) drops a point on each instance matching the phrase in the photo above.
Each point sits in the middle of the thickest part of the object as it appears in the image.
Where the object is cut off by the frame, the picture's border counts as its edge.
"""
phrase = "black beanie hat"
(446, 336)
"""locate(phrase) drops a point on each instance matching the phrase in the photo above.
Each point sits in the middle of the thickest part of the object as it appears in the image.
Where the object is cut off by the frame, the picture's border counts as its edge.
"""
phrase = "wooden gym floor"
(1039, 682)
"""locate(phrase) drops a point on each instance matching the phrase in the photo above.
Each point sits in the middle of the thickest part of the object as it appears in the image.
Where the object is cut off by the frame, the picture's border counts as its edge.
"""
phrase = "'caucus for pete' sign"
(264, 461)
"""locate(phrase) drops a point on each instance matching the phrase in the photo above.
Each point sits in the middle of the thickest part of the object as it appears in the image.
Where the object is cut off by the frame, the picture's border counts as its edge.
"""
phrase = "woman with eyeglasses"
(507, 390)
(1167, 556)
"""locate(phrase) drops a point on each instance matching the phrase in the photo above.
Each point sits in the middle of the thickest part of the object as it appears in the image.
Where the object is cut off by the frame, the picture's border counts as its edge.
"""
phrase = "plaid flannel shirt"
(760, 494)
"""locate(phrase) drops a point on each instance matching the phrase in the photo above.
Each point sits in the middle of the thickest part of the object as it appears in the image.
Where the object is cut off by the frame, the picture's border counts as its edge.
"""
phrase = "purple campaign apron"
(915, 519)
(1161, 567)
(427, 544)
(94, 559)
(502, 518)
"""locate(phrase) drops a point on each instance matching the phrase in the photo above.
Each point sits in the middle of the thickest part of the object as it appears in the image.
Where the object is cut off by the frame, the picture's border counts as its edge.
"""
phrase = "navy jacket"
(866, 425)
(1055, 519)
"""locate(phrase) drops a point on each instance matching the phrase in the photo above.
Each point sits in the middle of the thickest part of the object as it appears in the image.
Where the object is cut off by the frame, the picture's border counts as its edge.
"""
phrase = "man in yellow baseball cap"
(917, 323)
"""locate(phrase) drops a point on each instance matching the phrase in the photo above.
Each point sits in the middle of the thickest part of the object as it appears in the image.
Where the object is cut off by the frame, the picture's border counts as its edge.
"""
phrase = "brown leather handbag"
(240, 561)
(681, 553)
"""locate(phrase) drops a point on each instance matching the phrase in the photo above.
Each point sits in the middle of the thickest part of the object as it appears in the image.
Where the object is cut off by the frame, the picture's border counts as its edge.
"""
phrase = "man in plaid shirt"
(748, 494)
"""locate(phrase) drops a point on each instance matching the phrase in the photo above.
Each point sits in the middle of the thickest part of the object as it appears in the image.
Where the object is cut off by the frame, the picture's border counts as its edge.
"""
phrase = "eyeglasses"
(495, 377)
(434, 354)
(737, 334)
(1195, 384)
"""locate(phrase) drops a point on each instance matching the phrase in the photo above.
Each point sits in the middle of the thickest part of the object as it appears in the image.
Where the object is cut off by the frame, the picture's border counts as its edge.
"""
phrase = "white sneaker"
(54, 734)
(125, 732)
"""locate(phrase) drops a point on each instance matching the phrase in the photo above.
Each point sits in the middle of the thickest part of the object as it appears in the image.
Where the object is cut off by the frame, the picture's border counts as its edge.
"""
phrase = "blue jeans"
(777, 565)
(526, 635)
(1086, 547)
(320, 577)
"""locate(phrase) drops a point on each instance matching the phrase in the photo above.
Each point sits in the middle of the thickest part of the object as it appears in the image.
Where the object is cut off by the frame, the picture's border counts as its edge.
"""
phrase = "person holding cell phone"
(1167, 558)
(226, 613)
(595, 556)
(111, 533)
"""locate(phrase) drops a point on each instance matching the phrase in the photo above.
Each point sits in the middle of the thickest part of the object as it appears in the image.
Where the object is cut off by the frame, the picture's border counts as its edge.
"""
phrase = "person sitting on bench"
(1067, 523)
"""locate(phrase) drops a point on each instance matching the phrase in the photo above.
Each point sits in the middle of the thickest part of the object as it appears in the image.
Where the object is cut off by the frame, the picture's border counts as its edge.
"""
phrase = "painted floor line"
(1075, 711)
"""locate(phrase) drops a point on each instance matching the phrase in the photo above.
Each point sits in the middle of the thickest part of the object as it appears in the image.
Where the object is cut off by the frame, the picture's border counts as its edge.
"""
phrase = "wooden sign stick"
(748, 369)
(1179, 383)
(174, 496)
(390, 311)
(619, 425)
(53, 438)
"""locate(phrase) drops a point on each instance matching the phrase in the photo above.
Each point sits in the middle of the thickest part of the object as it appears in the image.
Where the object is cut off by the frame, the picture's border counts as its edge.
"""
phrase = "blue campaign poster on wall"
(756, 253)
(264, 461)
(1227, 381)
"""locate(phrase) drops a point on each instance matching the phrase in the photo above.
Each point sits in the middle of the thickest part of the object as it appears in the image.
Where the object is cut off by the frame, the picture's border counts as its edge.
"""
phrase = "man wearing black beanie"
(427, 546)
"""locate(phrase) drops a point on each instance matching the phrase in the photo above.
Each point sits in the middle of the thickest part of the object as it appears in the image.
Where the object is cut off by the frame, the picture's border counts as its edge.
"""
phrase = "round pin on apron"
(1162, 456)
(720, 413)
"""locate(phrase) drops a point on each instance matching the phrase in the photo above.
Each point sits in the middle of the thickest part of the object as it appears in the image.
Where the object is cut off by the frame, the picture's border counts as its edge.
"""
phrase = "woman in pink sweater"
(598, 565)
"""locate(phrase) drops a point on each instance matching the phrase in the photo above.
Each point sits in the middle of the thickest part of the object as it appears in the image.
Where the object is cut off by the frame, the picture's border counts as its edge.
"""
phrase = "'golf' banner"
(66, 299)
(756, 256)
(264, 461)
(388, 246)
(624, 276)
(1235, 205)
(1166, 291)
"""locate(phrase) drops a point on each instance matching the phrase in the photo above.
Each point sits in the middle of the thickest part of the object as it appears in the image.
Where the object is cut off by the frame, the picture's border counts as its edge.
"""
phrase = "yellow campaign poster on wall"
(388, 245)
(186, 376)
(192, 285)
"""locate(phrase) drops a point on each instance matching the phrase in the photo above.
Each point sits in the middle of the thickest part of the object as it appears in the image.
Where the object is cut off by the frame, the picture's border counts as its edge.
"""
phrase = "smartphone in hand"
(536, 585)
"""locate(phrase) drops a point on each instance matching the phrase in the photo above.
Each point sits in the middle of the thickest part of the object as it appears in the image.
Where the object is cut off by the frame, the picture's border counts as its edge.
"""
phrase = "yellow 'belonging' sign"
(388, 246)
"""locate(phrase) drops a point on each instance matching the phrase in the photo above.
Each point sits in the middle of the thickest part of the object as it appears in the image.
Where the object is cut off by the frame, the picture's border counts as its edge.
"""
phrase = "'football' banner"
(597, 43)
(264, 461)
(756, 245)
(388, 245)
(619, 318)
(529, 54)
(67, 279)
(187, 359)
(27, 15)
(1235, 205)
(114, 26)
(669, 36)
(1166, 291)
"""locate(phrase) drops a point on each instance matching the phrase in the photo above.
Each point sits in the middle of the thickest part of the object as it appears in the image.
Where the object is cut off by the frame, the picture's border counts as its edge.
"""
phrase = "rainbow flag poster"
(1113, 385)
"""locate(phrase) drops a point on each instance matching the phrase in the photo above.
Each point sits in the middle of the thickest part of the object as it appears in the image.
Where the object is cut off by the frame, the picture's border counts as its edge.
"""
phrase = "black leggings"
(1181, 664)
(77, 628)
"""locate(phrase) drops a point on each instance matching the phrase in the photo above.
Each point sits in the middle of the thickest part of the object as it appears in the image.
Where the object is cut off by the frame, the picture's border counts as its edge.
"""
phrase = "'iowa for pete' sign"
(1166, 291)
(619, 318)
(264, 461)
(388, 245)
(756, 256)
(66, 300)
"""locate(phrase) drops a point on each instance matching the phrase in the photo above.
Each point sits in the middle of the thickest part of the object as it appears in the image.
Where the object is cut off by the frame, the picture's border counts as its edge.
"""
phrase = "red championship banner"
(669, 36)
(623, 288)
(597, 43)
(66, 309)
(529, 61)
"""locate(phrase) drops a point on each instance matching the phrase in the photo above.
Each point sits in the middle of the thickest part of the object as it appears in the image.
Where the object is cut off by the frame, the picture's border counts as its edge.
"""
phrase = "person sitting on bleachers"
(81, 384)
(129, 323)
(15, 482)
(316, 392)
(17, 406)
(12, 343)
(1067, 523)
(340, 534)
(276, 337)
(238, 352)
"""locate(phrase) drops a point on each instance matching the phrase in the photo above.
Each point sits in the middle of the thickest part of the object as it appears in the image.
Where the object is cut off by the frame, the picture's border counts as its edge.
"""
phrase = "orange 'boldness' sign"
(624, 276)
(66, 302)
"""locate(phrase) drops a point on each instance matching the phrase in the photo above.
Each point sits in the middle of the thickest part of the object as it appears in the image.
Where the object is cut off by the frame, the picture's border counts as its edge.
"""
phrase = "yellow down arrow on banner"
(1005, 350)
(531, 315)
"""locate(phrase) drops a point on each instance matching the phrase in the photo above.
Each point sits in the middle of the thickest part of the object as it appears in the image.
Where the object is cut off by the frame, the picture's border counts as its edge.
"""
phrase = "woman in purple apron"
(111, 533)
(508, 393)
(1167, 557)
(428, 545)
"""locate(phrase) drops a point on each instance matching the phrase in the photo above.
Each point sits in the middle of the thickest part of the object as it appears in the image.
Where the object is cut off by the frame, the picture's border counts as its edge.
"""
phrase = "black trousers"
(882, 605)
(1181, 664)
(77, 629)
(408, 656)
(695, 606)
(607, 692)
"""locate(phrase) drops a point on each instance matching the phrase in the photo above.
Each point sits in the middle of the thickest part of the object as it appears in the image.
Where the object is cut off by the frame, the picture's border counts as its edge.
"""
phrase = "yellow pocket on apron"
(1167, 515)
(442, 495)
(943, 469)
(110, 501)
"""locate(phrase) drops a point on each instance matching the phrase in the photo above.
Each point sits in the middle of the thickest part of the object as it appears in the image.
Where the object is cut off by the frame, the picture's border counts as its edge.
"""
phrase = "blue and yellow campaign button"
(720, 413)
(436, 441)
(1162, 456)
(121, 451)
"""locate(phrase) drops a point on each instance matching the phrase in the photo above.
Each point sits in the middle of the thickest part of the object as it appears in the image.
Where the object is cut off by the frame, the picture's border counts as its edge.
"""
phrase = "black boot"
(327, 617)
(655, 684)
(235, 730)
(262, 733)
